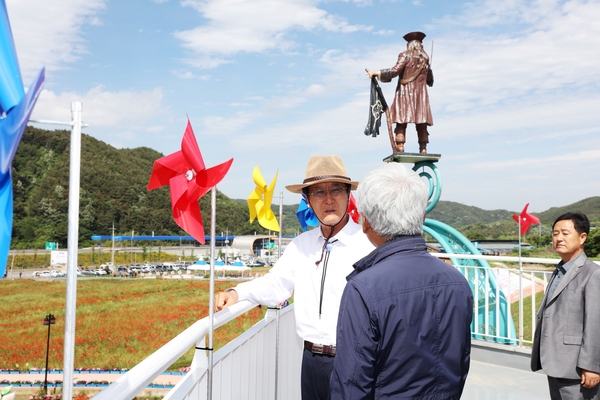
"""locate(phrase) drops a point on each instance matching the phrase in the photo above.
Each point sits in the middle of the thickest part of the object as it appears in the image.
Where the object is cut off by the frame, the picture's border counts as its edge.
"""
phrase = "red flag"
(188, 179)
(526, 220)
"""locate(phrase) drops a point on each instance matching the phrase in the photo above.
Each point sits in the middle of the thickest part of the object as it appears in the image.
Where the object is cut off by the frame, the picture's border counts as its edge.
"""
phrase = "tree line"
(113, 190)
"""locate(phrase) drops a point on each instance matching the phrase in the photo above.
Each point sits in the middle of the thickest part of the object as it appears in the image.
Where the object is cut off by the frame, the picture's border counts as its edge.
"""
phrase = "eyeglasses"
(334, 192)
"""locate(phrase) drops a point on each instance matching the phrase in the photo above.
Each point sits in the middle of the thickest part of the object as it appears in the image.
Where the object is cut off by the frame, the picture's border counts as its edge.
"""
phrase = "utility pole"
(112, 259)
(226, 243)
(49, 320)
(131, 257)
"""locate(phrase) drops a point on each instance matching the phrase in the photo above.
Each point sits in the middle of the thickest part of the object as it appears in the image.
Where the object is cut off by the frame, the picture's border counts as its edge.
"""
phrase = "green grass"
(527, 316)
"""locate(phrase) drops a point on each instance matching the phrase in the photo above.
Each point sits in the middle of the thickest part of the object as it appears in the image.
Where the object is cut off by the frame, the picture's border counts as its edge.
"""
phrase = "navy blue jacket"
(403, 326)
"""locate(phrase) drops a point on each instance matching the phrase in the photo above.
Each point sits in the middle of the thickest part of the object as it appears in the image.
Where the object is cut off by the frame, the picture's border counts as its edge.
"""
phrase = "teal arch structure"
(492, 319)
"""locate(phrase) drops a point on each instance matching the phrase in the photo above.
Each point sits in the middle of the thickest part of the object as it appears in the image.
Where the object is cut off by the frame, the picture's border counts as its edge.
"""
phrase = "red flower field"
(119, 322)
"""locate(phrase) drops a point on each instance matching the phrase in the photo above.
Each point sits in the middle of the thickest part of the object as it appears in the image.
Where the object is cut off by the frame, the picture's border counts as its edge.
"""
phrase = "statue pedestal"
(412, 158)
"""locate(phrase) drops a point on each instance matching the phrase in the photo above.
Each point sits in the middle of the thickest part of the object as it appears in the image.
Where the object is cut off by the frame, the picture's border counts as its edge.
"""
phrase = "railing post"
(200, 360)
(520, 289)
(476, 297)
(273, 312)
(486, 302)
(498, 308)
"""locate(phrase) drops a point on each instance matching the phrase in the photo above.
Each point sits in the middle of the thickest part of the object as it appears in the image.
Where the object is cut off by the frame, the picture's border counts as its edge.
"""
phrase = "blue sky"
(516, 100)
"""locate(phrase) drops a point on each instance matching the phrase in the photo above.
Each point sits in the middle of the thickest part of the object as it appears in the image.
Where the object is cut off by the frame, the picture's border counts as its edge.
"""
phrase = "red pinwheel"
(526, 220)
(352, 209)
(188, 179)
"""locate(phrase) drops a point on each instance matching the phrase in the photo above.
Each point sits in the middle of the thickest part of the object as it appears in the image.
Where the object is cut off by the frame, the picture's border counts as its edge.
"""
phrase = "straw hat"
(322, 169)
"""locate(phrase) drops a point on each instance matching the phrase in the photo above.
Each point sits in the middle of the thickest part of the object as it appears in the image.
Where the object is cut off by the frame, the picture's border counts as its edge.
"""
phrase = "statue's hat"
(409, 37)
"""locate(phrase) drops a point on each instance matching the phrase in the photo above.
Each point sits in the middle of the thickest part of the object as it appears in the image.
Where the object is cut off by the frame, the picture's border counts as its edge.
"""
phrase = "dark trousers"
(316, 373)
(570, 389)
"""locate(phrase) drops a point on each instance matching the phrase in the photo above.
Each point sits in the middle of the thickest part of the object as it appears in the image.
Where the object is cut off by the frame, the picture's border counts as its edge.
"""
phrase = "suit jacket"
(567, 335)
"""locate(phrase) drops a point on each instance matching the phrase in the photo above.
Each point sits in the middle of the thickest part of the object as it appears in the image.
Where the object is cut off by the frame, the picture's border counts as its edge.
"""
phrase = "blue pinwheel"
(306, 215)
(15, 108)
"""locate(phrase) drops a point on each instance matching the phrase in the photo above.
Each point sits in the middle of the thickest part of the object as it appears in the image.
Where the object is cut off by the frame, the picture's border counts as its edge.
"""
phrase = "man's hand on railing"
(225, 299)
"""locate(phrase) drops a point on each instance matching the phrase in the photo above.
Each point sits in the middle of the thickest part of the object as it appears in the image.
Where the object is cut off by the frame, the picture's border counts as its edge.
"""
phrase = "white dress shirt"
(295, 273)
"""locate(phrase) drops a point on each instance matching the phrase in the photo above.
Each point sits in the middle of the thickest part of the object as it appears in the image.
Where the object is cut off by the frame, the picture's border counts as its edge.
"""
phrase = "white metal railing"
(514, 284)
(264, 362)
(190, 387)
(260, 364)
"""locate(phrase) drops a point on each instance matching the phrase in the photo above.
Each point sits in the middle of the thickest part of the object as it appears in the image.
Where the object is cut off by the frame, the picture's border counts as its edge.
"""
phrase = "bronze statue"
(411, 102)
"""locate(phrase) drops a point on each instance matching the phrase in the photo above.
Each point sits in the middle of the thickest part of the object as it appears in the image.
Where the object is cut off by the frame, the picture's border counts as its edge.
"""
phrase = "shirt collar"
(344, 236)
(569, 263)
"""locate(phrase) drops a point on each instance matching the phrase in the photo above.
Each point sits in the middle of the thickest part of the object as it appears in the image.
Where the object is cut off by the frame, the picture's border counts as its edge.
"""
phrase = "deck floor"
(494, 382)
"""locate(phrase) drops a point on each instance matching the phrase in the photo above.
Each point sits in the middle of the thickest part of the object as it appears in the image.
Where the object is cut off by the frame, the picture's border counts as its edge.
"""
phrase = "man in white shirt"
(313, 268)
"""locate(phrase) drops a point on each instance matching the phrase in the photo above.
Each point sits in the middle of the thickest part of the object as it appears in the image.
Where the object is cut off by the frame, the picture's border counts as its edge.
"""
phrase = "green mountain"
(459, 215)
(589, 206)
(478, 224)
(113, 190)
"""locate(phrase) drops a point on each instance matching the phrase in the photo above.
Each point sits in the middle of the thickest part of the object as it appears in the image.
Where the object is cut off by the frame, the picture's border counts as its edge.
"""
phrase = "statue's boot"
(423, 138)
(400, 132)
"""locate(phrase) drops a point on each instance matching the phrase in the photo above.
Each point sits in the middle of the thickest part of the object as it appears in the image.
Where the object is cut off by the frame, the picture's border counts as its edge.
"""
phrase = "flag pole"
(520, 289)
(279, 307)
(280, 222)
(211, 296)
(72, 251)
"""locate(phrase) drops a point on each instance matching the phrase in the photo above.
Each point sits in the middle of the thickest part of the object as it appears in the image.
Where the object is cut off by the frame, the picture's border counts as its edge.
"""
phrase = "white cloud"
(515, 100)
(333, 129)
(583, 156)
(189, 75)
(539, 81)
(249, 26)
(490, 12)
(384, 32)
(315, 90)
(51, 35)
(219, 126)
(124, 109)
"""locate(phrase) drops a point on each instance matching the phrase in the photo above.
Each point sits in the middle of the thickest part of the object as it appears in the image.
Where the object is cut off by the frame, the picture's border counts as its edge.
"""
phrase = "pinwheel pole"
(278, 311)
(211, 296)
(280, 223)
(259, 207)
(520, 289)
(189, 179)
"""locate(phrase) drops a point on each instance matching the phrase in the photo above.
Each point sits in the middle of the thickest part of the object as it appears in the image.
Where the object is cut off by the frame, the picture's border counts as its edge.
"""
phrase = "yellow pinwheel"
(259, 202)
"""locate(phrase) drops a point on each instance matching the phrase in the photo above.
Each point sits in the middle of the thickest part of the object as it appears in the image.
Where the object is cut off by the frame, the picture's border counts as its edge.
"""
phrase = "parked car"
(88, 272)
(164, 268)
(257, 263)
(58, 273)
(124, 271)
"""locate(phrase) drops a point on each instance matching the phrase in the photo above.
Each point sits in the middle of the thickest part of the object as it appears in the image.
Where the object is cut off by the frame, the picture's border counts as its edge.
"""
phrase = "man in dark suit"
(566, 344)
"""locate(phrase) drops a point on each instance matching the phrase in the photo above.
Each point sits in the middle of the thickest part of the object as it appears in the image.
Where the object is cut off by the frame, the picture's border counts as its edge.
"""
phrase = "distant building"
(259, 246)
(499, 247)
